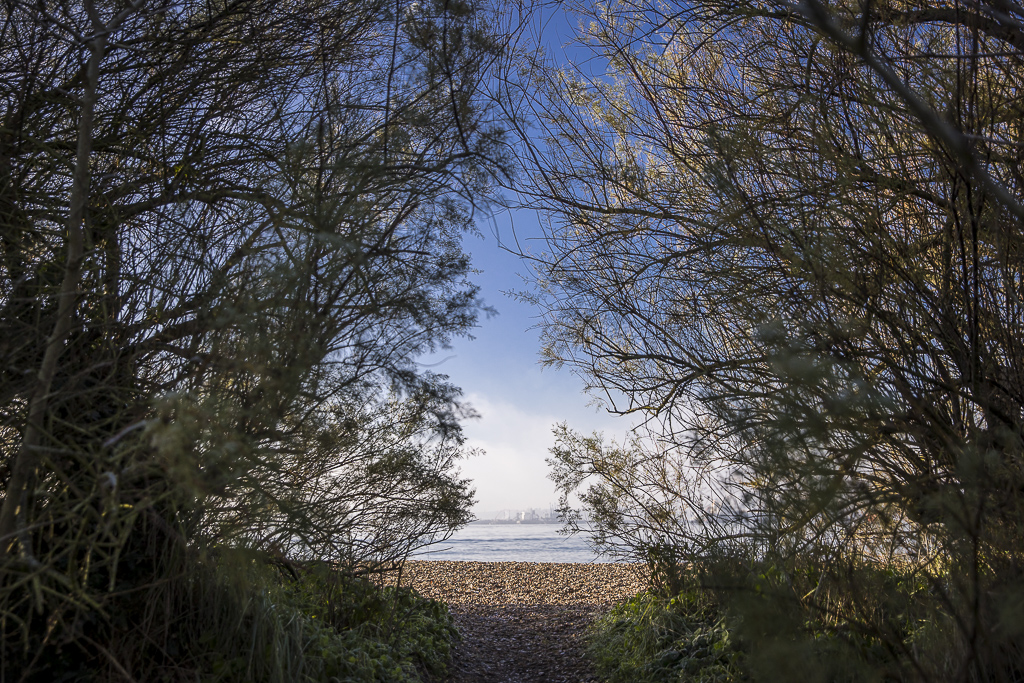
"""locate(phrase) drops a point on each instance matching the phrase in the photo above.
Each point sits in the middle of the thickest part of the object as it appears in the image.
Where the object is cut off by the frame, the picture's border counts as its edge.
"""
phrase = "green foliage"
(786, 239)
(733, 621)
(797, 627)
(228, 229)
(238, 619)
(414, 631)
(324, 626)
(652, 638)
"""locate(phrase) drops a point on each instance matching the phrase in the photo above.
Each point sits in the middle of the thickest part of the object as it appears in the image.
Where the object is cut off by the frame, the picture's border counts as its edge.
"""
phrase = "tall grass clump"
(310, 624)
(243, 618)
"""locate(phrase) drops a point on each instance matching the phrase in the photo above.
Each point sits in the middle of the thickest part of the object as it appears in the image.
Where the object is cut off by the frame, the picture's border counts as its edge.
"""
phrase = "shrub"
(233, 619)
(653, 638)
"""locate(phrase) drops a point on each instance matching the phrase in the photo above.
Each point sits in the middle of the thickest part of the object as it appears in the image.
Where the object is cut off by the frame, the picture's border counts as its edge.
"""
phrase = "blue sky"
(499, 371)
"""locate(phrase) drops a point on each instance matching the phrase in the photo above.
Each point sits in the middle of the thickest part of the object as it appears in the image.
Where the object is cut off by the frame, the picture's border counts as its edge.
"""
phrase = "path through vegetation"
(523, 622)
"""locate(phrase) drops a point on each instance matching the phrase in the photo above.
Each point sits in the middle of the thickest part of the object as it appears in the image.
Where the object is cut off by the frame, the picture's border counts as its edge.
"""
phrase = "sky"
(500, 374)
(518, 401)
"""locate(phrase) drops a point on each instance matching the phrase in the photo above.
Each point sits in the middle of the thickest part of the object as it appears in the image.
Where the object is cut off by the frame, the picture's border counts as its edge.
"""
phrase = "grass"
(323, 626)
(238, 619)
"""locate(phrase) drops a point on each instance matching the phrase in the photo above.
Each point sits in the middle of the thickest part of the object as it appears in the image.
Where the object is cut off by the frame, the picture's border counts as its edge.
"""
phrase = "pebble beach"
(523, 622)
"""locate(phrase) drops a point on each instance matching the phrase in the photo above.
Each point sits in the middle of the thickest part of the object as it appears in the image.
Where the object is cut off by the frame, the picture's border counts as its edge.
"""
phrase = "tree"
(788, 236)
(228, 230)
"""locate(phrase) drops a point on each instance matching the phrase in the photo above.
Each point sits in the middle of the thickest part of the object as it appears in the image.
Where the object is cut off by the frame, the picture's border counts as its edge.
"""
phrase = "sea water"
(512, 543)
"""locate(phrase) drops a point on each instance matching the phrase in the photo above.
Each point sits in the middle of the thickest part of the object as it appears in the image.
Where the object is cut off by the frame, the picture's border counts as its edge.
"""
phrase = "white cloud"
(512, 474)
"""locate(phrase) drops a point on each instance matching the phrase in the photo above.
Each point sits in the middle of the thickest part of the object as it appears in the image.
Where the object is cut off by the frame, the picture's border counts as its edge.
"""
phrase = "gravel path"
(522, 622)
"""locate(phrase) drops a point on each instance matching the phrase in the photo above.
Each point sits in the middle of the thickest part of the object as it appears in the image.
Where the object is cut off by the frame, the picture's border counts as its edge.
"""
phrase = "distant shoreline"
(516, 521)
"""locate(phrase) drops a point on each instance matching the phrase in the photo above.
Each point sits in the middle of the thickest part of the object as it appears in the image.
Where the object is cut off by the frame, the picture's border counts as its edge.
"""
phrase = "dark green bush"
(325, 626)
(652, 638)
(772, 622)
(244, 620)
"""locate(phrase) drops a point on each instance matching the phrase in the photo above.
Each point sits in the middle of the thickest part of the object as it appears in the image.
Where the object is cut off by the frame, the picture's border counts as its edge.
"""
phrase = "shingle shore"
(523, 622)
(524, 583)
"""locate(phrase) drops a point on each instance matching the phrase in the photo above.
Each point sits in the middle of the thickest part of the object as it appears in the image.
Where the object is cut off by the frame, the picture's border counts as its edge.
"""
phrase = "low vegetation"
(244, 619)
(763, 622)
(654, 637)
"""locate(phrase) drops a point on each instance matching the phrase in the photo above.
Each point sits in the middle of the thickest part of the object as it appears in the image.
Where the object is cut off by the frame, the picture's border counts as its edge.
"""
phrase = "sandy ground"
(523, 622)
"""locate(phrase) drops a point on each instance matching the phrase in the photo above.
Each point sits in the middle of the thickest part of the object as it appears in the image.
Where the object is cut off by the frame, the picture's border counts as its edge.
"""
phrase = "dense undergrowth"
(243, 619)
(764, 622)
(653, 637)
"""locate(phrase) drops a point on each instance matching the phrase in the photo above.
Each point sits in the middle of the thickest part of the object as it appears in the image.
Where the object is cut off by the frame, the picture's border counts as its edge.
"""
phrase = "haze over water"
(512, 543)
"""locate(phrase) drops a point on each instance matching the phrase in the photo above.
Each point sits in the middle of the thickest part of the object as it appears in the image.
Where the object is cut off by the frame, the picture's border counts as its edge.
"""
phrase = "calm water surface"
(512, 542)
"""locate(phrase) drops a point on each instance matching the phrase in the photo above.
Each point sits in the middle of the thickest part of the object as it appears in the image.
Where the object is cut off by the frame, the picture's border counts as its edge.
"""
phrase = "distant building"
(522, 516)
